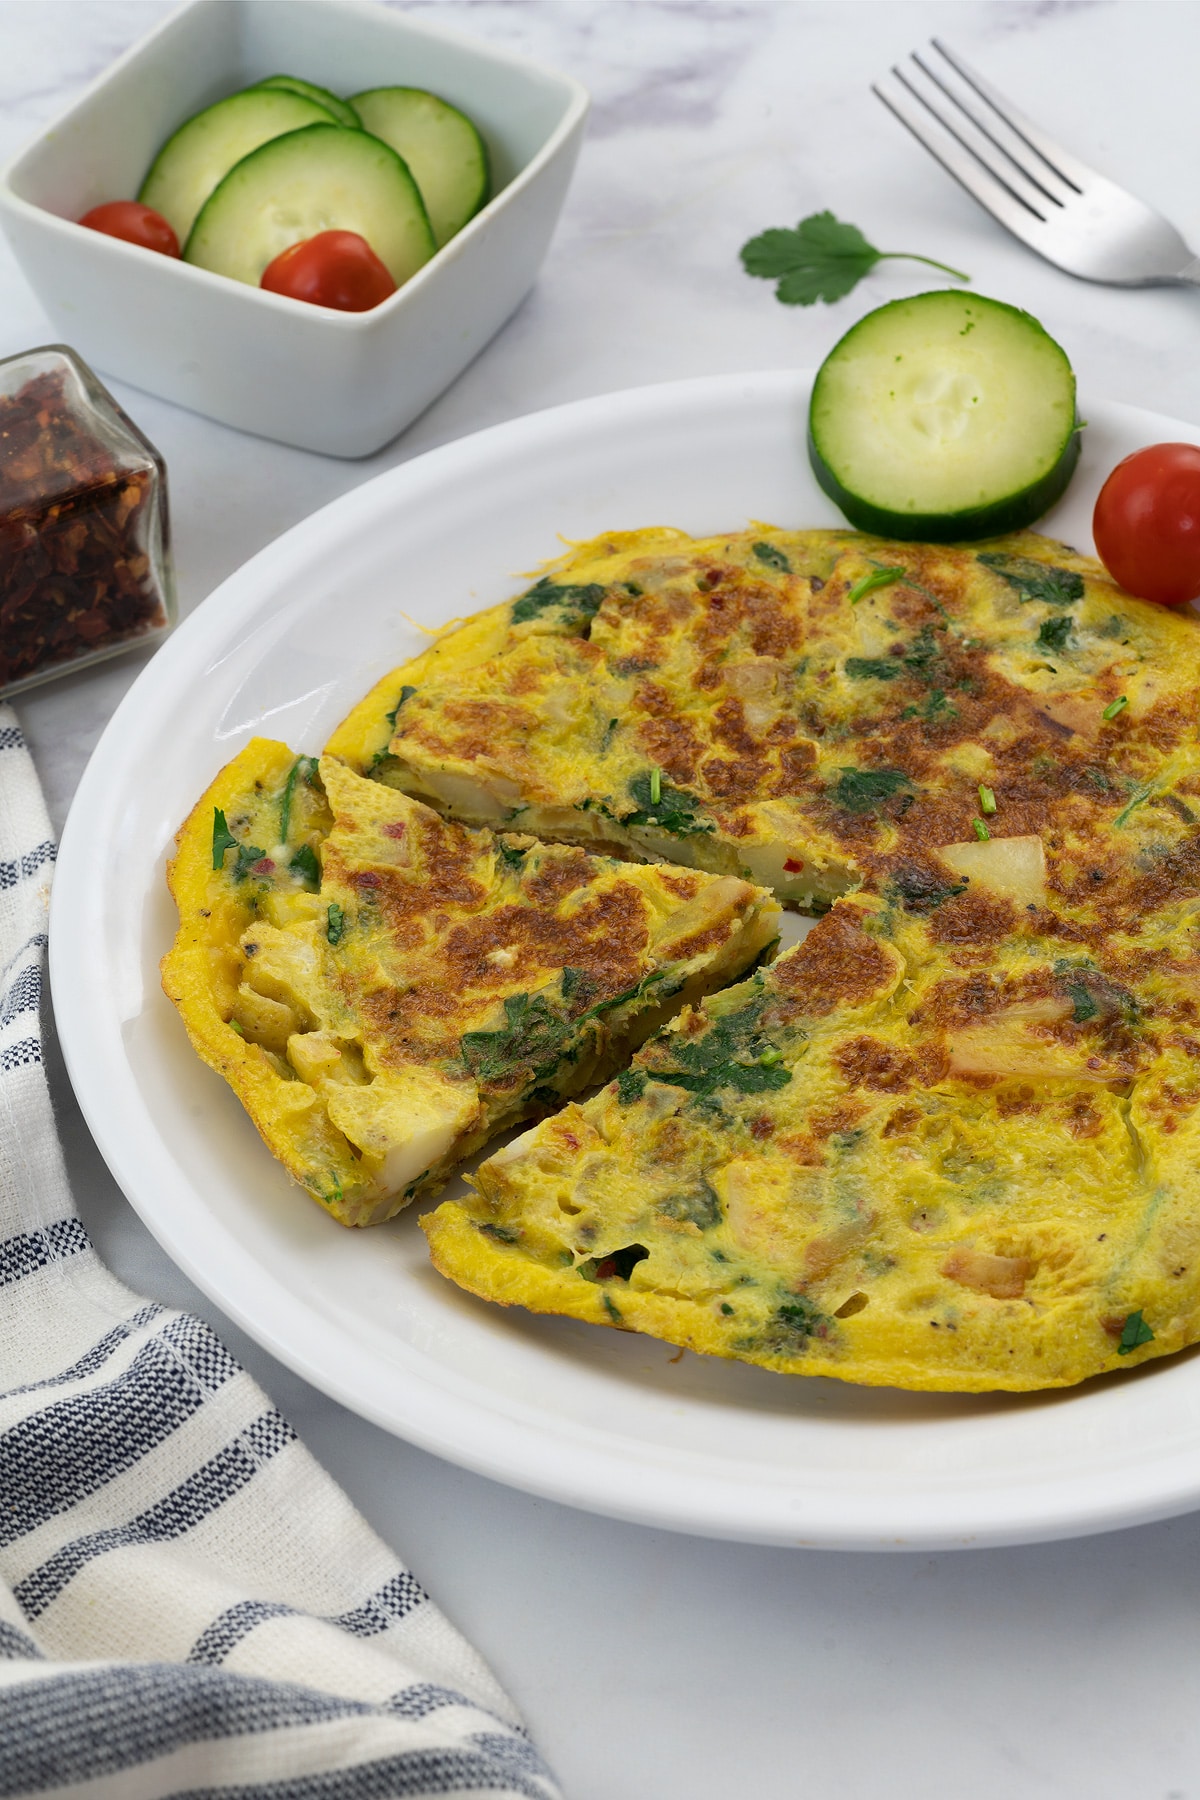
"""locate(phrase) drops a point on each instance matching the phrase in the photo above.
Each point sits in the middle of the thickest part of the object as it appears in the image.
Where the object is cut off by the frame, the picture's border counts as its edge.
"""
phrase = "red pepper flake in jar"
(84, 569)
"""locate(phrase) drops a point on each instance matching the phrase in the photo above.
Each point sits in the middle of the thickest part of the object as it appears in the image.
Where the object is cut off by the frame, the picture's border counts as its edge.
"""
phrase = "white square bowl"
(341, 383)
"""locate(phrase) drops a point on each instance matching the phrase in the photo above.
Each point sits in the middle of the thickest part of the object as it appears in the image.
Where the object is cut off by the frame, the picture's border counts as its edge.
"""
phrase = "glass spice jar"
(85, 566)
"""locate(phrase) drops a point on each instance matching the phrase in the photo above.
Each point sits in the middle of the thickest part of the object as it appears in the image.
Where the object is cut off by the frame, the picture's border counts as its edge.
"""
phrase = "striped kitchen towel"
(188, 1605)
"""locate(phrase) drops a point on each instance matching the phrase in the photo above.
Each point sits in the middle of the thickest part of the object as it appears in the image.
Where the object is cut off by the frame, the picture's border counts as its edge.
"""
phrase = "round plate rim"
(517, 1448)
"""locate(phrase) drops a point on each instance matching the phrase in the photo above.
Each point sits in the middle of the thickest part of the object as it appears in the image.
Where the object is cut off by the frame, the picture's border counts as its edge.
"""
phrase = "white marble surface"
(651, 1665)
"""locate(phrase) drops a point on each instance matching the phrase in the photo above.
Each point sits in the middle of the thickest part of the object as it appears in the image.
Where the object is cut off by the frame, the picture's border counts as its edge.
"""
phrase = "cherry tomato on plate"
(136, 223)
(335, 268)
(1147, 523)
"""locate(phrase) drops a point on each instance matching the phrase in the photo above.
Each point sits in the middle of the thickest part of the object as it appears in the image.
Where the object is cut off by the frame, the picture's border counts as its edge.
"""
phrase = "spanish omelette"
(949, 1141)
(384, 989)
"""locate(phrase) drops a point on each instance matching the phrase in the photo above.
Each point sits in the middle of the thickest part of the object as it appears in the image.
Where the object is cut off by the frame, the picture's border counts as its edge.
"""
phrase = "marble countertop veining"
(649, 1665)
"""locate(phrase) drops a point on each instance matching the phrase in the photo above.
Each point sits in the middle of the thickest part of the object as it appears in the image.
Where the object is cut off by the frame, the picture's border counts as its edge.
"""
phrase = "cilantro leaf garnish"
(1035, 580)
(335, 924)
(1134, 1333)
(821, 259)
(865, 790)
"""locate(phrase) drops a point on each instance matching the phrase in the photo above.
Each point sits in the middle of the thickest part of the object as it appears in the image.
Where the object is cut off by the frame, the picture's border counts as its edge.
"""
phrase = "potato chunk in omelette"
(385, 991)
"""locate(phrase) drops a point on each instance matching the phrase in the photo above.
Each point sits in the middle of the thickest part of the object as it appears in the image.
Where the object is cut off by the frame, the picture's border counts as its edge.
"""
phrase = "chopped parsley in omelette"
(950, 1141)
(385, 990)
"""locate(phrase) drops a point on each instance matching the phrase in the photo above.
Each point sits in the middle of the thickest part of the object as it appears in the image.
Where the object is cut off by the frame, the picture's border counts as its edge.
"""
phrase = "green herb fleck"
(631, 1085)
(1140, 796)
(865, 790)
(799, 1317)
(1035, 580)
(670, 808)
(222, 839)
(981, 831)
(770, 1056)
(1053, 633)
(867, 584)
(510, 855)
(698, 1206)
(821, 259)
(609, 733)
(920, 890)
(936, 707)
(611, 1308)
(774, 559)
(576, 981)
(729, 1054)
(873, 668)
(302, 770)
(1082, 1003)
(578, 605)
(406, 694)
(726, 1309)
(1134, 1333)
(335, 924)
(987, 800)
(500, 1234)
(1118, 705)
(305, 864)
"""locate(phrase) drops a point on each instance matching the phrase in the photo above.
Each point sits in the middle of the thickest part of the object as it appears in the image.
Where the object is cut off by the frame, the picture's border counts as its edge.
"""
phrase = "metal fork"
(1069, 214)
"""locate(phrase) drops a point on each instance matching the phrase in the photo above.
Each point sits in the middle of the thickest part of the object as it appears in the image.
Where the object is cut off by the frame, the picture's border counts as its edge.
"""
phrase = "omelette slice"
(384, 990)
(885, 1161)
(796, 708)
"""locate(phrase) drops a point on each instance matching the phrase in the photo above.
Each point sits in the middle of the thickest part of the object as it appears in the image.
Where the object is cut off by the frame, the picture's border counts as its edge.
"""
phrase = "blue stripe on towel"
(175, 1515)
(32, 1250)
(74, 1446)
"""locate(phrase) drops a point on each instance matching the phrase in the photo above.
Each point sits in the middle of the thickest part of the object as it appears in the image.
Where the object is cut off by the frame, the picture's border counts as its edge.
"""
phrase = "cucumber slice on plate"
(322, 178)
(205, 148)
(445, 152)
(944, 417)
(341, 110)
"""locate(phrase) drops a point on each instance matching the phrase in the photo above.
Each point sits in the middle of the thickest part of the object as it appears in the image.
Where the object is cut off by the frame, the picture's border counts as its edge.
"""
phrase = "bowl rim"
(577, 102)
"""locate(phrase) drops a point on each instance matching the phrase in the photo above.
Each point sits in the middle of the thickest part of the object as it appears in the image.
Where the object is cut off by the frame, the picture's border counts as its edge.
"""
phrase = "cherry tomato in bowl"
(1147, 523)
(334, 268)
(135, 223)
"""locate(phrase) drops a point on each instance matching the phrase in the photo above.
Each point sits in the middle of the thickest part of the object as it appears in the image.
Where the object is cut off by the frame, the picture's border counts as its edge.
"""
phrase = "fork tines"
(1003, 159)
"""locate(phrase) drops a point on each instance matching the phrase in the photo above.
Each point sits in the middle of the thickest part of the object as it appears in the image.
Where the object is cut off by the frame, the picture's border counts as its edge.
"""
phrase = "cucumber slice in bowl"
(190, 165)
(322, 178)
(447, 156)
(944, 417)
(341, 110)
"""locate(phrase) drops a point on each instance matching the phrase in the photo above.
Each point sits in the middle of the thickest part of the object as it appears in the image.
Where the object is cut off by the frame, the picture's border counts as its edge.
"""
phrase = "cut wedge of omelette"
(950, 1141)
(385, 990)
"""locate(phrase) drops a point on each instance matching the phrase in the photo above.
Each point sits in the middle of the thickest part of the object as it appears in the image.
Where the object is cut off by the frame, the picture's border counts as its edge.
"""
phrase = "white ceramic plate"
(599, 1419)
